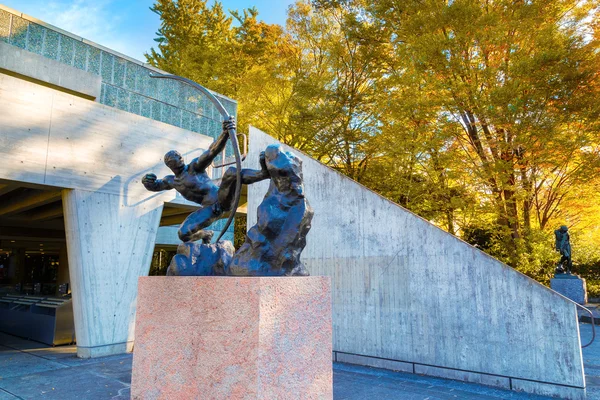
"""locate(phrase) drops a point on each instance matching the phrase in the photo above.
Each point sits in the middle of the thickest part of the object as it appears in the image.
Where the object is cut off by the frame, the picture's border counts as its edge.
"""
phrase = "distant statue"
(563, 245)
(195, 185)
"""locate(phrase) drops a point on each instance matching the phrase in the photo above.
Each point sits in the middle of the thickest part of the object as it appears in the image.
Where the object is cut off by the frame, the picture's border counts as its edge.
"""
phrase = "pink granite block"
(233, 338)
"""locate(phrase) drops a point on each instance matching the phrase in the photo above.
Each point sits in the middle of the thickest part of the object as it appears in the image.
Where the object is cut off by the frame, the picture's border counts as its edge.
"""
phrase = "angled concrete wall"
(409, 296)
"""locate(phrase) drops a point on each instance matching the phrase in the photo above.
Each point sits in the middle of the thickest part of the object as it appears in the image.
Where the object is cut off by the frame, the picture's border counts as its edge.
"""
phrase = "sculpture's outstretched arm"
(250, 176)
(156, 185)
(201, 163)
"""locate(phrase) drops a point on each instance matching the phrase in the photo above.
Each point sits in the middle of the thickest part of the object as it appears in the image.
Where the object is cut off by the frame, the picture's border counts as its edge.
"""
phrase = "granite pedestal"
(570, 286)
(233, 338)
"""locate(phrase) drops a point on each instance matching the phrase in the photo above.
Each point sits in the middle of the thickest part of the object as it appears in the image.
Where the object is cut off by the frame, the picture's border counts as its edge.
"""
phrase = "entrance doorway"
(35, 298)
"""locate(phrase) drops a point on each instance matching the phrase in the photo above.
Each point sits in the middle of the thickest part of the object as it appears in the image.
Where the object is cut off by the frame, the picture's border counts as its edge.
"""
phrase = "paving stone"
(591, 361)
(16, 363)
(53, 353)
(74, 361)
(427, 387)
(90, 382)
(354, 386)
(484, 379)
(6, 396)
(550, 390)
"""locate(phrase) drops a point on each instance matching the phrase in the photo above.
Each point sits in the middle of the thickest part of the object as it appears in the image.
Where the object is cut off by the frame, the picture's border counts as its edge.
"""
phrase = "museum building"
(79, 126)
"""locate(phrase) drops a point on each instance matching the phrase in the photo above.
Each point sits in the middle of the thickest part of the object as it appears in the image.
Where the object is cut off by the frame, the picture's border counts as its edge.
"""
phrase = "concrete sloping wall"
(409, 296)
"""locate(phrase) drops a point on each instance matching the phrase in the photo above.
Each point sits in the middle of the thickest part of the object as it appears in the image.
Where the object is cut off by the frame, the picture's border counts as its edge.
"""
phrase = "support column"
(110, 240)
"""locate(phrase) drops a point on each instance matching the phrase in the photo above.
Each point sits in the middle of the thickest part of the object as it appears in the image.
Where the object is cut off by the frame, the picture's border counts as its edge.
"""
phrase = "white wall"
(57, 139)
(409, 296)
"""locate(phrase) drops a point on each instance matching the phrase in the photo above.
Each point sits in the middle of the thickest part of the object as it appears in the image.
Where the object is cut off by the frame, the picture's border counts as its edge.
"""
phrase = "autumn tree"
(512, 80)
(224, 51)
(326, 81)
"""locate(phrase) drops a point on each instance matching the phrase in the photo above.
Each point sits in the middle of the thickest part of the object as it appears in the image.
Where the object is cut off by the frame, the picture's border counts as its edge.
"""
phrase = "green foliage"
(587, 265)
(228, 54)
(593, 288)
(537, 257)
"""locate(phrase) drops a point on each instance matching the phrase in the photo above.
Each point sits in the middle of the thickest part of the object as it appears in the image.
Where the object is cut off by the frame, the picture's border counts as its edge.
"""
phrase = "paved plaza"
(30, 370)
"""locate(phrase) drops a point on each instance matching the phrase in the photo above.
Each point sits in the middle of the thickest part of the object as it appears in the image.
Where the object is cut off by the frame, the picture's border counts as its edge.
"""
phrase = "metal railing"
(587, 310)
(593, 323)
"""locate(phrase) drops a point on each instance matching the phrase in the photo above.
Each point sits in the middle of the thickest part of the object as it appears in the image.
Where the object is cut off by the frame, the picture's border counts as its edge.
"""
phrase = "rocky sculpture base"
(273, 246)
(233, 338)
(570, 286)
(198, 259)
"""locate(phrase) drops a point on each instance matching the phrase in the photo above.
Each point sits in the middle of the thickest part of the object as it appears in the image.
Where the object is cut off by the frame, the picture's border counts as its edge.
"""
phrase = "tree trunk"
(450, 221)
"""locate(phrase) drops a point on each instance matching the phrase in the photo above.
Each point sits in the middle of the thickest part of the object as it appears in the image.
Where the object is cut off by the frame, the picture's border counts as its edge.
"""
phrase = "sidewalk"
(30, 370)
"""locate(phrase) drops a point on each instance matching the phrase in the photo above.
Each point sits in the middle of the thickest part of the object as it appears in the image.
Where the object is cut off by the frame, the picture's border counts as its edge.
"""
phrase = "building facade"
(80, 125)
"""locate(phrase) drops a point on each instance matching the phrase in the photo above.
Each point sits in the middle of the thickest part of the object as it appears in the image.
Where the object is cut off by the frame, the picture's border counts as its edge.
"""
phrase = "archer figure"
(195, 185)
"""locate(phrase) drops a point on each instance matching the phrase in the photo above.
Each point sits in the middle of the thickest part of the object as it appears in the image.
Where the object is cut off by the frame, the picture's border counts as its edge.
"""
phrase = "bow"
(232, 137)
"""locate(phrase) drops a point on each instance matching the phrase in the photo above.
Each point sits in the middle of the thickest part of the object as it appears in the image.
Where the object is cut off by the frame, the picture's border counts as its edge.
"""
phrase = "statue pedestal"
(570, 286)
(233, 337)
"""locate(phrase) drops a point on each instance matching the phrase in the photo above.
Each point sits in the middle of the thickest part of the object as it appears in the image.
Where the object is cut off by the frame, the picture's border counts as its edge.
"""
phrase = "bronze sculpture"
(195, 185)
(273, 246)
(563, 245)
(232, 136)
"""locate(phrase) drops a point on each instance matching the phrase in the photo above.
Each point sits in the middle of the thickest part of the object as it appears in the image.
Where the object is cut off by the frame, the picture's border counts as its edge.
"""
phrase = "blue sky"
(127, 26)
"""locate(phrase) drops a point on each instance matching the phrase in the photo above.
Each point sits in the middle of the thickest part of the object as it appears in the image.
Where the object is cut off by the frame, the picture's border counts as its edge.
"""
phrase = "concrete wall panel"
(23, 160)
(406, 290)
(98, 154)
(110, 245)
(57, 139)
(55, 73)
(71, 61)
